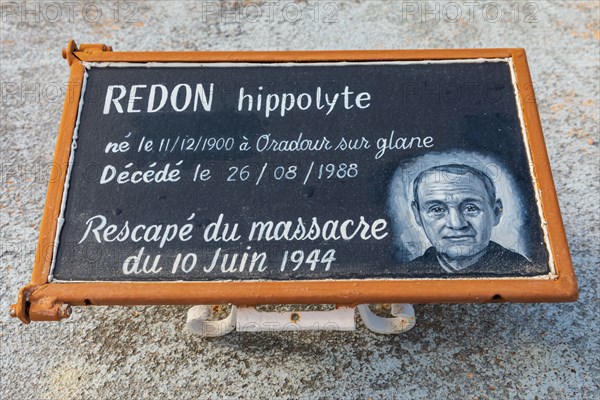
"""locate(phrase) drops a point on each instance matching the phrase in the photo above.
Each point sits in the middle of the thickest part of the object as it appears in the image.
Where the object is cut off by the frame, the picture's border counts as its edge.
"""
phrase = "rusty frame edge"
(23, 309)
(303, 292)
(43, 301)
(542, 172)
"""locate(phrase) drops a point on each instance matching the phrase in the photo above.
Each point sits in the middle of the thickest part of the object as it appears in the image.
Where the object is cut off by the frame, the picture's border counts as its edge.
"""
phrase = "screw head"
(64, 311)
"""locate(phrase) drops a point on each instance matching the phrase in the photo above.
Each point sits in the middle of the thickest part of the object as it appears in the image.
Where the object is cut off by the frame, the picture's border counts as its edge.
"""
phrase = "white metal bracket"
(248, 319)
(403, 320)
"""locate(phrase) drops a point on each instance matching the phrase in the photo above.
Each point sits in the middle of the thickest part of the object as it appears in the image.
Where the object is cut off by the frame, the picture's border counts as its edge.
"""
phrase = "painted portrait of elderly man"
(457, 208)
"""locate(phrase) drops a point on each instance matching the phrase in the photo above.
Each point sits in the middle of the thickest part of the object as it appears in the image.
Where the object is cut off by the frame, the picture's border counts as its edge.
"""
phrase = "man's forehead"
(443, 182)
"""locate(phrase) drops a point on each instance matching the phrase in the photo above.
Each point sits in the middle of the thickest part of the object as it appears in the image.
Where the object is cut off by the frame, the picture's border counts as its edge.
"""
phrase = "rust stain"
(591, 34)
(578, 133)
(585, 6)
(589, 102)
(593, 28)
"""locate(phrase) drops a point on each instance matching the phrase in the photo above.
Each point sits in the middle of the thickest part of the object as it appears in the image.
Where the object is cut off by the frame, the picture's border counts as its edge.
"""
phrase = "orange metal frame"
(44, 301)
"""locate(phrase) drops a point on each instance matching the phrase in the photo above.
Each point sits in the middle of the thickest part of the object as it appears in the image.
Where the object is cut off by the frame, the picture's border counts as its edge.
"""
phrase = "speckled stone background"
(498, 351)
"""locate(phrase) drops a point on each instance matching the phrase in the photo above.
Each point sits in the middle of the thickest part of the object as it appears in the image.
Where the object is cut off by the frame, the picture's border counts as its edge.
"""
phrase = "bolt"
(64, 311)
(295, 317)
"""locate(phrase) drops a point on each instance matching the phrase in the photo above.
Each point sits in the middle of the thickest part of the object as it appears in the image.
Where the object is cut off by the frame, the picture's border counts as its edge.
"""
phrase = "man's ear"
(415, 209)
(498, 211)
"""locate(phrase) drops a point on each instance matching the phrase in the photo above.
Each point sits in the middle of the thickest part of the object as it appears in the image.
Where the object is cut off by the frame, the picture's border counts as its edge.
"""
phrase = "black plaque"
(295, 172)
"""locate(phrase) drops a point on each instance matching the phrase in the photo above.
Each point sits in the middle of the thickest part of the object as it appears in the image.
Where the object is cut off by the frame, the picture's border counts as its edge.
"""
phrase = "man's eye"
(472, 208)
(436, 209)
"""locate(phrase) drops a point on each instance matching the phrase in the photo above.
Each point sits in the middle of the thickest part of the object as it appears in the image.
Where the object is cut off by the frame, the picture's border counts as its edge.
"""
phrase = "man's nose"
(456, 220)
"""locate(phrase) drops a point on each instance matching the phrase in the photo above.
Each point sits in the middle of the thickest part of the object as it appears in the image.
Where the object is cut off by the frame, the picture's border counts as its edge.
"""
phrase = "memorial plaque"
(302, 177)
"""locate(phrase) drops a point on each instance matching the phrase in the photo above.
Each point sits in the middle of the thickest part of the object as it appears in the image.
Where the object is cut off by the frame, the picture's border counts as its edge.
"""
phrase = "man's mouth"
(458, 238)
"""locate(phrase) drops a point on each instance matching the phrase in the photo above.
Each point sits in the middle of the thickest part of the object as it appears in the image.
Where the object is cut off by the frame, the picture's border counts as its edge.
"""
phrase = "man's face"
(456, 213)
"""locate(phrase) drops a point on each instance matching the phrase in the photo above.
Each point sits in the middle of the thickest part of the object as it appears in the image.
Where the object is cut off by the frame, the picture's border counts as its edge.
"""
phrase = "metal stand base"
(248, 319)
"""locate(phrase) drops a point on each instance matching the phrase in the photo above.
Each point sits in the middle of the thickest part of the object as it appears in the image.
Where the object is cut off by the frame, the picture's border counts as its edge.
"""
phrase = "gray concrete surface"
(508, 351)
